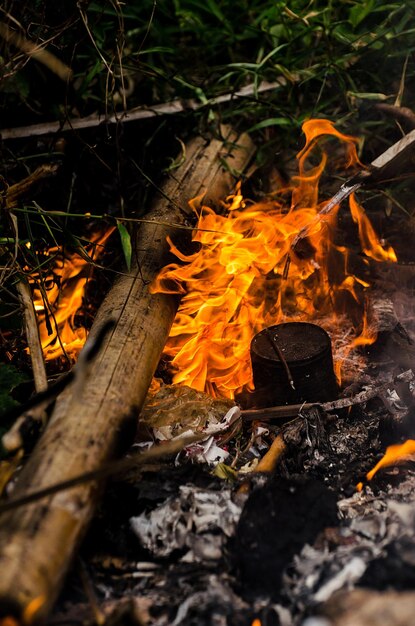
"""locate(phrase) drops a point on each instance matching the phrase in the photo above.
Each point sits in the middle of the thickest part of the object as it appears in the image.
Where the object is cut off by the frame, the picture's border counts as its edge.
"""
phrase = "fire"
(61, 298)
(398, 453)
(236, 283)
(368, 239)
(29, 613)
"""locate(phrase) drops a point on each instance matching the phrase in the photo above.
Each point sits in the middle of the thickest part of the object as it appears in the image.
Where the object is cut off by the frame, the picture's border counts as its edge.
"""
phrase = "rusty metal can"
(292, 363)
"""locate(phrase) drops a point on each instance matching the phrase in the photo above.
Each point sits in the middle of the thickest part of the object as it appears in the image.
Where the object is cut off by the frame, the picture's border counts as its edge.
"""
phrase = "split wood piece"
(38, 541)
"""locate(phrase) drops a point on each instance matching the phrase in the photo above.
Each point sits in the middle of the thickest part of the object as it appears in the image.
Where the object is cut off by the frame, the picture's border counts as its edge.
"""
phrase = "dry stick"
(86, 432)
(32, 336)
(138, 113)
(144, 112)
(36, 51)
(16, 191)
(401, 114)
(12, 440)
(98, 615)
(155, 453)
(291, 410)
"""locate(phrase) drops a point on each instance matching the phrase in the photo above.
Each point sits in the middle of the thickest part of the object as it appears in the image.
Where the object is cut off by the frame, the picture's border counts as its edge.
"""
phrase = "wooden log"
(38, 541)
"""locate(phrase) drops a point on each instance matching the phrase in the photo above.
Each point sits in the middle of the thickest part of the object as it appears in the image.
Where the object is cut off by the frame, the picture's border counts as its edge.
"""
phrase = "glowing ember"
(234, 285)
(29, 613)
(399, 453)
(61, 298)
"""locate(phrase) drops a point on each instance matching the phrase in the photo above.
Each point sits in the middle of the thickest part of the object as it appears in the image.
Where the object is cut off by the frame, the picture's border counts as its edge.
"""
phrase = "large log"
(38, 541)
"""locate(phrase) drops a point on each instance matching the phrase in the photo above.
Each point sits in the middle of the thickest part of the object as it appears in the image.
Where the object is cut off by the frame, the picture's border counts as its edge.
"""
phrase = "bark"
(92, 418)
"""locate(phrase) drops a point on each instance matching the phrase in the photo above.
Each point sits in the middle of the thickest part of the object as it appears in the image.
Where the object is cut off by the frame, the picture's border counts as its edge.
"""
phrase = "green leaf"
(164, 49)
(225, 472)
(126, 244)
(368, 96)
(360, 10)
(272, 121)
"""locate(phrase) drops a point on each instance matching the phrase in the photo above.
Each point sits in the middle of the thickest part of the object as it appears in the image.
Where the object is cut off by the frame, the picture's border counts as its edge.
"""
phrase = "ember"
(60, 300)
(236, 284)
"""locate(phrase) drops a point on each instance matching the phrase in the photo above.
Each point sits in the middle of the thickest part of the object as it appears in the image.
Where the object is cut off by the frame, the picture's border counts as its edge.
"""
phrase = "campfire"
(247, 274)
(279, 395)
(61, 298)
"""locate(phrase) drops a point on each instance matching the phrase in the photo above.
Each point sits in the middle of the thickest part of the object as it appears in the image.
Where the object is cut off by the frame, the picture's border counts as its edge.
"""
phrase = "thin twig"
(291, 410)
(84, 19)
(36, 51)
(138, 113)
(12, 440)
(401, 114)
(272, 340)
(115, 467)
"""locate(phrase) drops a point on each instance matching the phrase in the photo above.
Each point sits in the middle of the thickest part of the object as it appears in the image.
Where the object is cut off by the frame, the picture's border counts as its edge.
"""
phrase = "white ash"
(216, 595)
(198, 520)
(370, 524)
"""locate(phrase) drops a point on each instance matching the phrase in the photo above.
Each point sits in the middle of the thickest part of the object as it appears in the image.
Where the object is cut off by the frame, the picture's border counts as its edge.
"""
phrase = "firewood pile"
(244, 497)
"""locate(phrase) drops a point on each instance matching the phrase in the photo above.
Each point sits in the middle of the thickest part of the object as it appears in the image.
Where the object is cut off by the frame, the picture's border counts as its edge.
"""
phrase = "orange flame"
(235, 285)
(61, 299)
(29, 613)
(32, 609)
(368, 239)
(398, 453)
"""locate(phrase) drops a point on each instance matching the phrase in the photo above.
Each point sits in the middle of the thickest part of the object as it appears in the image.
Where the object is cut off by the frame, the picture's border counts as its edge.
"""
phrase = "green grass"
(126, 55)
